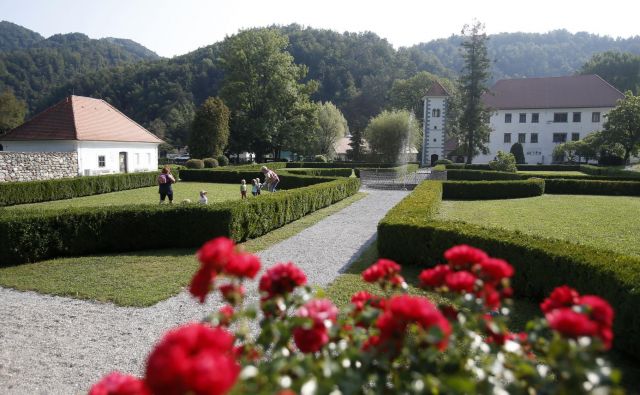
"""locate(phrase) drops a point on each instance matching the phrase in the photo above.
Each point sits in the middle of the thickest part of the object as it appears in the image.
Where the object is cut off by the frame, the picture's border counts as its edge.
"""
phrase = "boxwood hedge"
(331, 165)
(480, 175)
(593, 187)
(410, 235)
(287, 181)
(39, 234)
(481, 190)
(335, 172)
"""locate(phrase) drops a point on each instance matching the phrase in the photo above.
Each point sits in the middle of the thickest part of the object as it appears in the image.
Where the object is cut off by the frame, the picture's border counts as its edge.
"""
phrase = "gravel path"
(57, 345)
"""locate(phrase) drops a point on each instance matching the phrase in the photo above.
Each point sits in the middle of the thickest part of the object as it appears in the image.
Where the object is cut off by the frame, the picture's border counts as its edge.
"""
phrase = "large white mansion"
(538, 113)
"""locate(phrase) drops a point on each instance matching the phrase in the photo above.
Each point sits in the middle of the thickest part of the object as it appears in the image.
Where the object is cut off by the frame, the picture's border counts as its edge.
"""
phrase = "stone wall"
(33, 166)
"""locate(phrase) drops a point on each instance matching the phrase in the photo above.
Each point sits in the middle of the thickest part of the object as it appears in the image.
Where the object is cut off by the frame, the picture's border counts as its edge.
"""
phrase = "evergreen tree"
(356, 151)
(210, 129)
(12, 111)
(475, 75)
(518, 153)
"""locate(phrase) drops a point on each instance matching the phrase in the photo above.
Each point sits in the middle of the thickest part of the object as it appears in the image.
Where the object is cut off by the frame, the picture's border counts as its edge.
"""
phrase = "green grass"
(149, 195)
(135, 278)
(552, 173)
(608, 222)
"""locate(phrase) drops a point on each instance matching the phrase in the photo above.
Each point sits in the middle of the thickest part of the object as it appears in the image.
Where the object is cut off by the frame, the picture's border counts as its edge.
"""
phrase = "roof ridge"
(608, 84)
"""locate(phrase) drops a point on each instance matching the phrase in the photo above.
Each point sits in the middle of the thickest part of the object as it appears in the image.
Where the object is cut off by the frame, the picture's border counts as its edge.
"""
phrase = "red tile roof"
(436, 90)
(82, 118)
(576, 91)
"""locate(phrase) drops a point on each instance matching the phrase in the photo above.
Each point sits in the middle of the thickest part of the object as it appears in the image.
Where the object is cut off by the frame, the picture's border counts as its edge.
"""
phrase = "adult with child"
(271, 179)
(165, 182)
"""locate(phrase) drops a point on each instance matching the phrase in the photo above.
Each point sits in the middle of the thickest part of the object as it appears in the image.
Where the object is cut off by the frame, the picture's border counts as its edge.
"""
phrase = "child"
(258, 185)
(254, 188)
(203, 197)
(243, 189)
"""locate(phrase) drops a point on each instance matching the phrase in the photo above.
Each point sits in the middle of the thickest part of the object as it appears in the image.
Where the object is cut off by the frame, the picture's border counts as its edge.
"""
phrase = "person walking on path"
(165, 182)
(271, 179)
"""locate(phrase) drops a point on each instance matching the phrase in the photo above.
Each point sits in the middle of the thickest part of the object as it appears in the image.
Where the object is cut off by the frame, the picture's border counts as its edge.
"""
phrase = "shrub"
(444, 162)
(12, 193)
(399, 170)
(352, 165)
(593, 187)
(307, 343)
(209, 163)
(35, 235)
(194, 164)
(322, 172)
(287, 181)
(320, 158)
(610, 172)
(518, 152)
(504, 162)
(410, 235)
(223, 160)
(480, 175)
(482, 190)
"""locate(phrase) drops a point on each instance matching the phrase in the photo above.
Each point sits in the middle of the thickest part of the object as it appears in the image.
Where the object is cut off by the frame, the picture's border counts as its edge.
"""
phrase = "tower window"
(435, 113)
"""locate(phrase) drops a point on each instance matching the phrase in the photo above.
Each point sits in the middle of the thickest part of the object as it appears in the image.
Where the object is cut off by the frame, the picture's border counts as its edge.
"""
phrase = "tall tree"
(407, 94)
(12, 111)
(623, 125)
(620, 69)
(392, 134)
(331, 126)
(357, 149)
(269, 105)
(210, 129)
(475, 75)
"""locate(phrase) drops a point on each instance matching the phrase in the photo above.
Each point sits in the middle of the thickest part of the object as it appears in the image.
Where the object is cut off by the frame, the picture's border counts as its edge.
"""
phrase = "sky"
(175, 27)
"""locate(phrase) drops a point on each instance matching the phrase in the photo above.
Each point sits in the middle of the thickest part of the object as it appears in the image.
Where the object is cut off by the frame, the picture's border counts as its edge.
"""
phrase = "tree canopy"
(330, 127)
(392, 134)
(623, 125)
(210, 129)
(620, 69)
(12, 111)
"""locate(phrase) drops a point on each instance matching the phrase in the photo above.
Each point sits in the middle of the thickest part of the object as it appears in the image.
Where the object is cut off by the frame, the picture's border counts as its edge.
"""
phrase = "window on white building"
(523, 117)
(559, 137)
(575, 136)
(507, 137)
(101, 161)
(577, 117)
(534, 138)
(522, 138)
(595, 117)
(560, 117)
(535, 117)
(507, 118)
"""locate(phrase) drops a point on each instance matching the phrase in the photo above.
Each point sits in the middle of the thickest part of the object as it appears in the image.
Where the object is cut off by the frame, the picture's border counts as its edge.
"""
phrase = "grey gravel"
(58, 345)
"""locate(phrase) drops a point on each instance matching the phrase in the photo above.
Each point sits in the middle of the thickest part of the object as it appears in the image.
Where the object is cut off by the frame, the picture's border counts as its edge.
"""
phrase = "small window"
(522, 138)
(560, 117)
(507, 118)
(435, 113)
(535, 117)
(577, 116)
(534, 138)
(101, 161)
(523, 117)
(507, 137)
(575, 136)
(559, 137)
(595, 117)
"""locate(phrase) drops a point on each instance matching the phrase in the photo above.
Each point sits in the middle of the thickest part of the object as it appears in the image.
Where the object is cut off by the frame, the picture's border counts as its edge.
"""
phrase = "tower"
(434, 121)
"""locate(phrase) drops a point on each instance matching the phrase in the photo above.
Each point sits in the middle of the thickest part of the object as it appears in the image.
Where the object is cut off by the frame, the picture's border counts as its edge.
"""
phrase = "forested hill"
(31, 65)
(518, 55)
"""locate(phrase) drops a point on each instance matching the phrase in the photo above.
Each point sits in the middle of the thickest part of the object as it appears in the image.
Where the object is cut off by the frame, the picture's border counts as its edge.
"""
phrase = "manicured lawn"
(149, 195)
(553, 173)
(608, 222)
(135, 278)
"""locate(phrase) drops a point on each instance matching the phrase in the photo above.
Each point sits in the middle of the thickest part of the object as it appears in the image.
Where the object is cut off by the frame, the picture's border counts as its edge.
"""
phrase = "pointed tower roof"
(436, 90)
(82, 118)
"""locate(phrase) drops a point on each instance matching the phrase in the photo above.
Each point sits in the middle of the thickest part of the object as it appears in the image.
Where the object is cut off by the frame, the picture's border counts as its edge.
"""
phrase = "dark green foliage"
(518, 152)
(337, 172)
(550, 168)
(445, 162)
(195, 164)
(593, 187)
(210, 163)
(320, 158)
(258, 166)
(36, 235)
(210, 129)
(227, 175)
(608, 171)
(12, 193)
(479, 175)
(12, 111)
(620, 69)
(223, 160)
(482, 190)
(14, 36)
(409, 235)
(398, 170)
(330, 165)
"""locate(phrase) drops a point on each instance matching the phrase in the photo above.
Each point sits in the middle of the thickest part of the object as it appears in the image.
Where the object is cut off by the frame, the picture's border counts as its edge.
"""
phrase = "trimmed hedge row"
(12, 193)
(484, 166)
(609, 172)
(480, 175)
(593, 187)
(341, 165)
(257, 166)
(409, 235)
(337, 172)
(287, 181)
(35, 235)
(408, 168)
(484, 190)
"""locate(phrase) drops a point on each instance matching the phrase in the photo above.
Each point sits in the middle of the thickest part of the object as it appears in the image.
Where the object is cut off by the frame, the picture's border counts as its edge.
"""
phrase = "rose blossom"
(225, 314)
(461, 281)
(463, 255)
(320, 311)
(232, 293)
(243, 265)
(116, 383)
(598, 309)
(360, 299)
(201, 283)
(434, 277)
(493, 270)
(215, 253)
(194, 358)
(383, 269)
(563, 296)
(281, 279)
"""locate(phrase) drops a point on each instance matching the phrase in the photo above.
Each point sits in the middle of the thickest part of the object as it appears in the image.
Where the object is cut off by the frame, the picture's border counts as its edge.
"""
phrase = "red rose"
(461, 256)
(116, 383)
(225, 314)
(201, 283)
(281, 279)
(493, 270)
(598, 309)
(243, 265)
(194, 358)
(215, 253)
(461, 281)
(490, 296)
(360, 299)
(571, 323)
(563, 296)
(310, 340)
(434, 277)
(606, 335)
(232, 293)
(320, 311)
(383, 269)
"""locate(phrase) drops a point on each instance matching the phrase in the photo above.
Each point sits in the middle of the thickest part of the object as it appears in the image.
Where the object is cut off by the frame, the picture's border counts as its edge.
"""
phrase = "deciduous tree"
(392, 133)
(12, 111)
(210, 129)
(331, 126)
(623, 125)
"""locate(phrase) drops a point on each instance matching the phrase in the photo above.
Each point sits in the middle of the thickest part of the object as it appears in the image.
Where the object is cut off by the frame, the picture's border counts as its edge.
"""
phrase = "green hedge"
(40, 234)
(409, 235)
(331, 165)
(287, 181)
(482, 190)
(520, 167)
(610, 172)
(408, 168)
(257, 166)
(480, 175)
(337, 172)
(593, 187)
(12, 193)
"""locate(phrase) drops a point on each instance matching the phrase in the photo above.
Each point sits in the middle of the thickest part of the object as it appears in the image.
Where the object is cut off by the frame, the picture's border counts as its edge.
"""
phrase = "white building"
(106, 140)
(540, 113)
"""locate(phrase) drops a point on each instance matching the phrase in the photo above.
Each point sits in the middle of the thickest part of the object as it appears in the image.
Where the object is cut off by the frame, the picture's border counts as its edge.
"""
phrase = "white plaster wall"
(433, 142)
(140, 156)
(540, 152)
(39, 146)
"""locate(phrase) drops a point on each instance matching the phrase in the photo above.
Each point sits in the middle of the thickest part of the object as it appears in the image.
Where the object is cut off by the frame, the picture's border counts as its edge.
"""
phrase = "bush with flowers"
(387, 343)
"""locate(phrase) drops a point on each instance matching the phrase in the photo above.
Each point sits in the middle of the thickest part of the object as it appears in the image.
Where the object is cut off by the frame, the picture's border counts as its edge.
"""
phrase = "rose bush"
(387, 343)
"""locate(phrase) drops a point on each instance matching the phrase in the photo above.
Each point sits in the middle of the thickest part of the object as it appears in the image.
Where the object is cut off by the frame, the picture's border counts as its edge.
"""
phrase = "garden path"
(57, 345)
